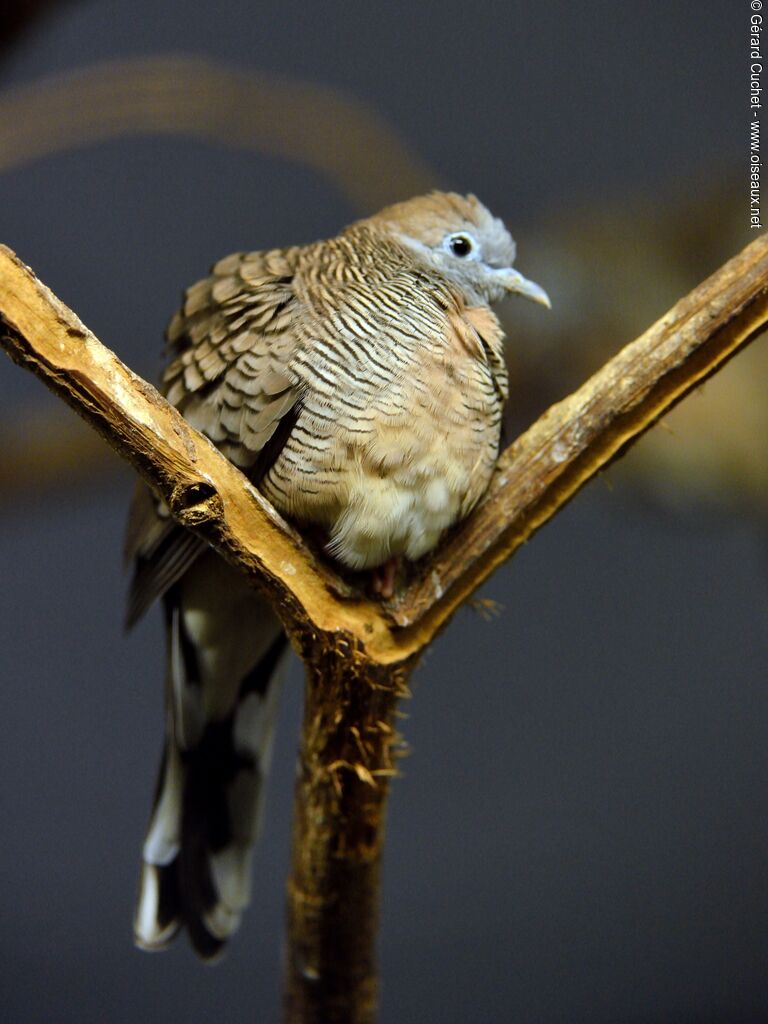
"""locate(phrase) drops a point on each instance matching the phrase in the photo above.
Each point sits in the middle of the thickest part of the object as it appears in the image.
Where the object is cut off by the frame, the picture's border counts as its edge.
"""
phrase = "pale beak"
(514, 281)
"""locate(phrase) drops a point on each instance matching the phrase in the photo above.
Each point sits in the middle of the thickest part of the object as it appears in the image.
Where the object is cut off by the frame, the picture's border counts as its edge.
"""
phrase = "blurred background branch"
(334, 134)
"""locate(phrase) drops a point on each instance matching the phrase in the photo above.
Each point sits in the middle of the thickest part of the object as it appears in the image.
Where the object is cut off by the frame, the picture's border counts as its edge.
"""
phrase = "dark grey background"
(581, 832)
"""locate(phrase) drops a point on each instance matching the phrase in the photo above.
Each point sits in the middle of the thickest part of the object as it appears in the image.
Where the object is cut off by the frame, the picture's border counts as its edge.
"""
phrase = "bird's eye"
(461, 245)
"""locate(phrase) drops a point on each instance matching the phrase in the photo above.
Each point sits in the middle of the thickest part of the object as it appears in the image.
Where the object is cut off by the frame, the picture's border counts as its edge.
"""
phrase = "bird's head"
(462, 239)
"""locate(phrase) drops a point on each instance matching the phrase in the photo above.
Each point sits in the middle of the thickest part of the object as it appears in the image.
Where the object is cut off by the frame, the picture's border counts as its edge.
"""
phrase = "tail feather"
(157, 919)
(209, 798)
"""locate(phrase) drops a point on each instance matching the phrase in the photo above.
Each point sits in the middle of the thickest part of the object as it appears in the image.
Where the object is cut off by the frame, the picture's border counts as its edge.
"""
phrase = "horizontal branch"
(535, 477)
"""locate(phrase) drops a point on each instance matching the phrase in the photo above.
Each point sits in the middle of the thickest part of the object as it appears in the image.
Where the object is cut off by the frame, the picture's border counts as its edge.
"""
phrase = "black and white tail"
(225, 655)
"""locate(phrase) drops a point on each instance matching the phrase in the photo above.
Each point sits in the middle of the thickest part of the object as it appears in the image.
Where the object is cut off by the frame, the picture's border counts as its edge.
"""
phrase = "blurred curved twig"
(196, 98)
(45, 449)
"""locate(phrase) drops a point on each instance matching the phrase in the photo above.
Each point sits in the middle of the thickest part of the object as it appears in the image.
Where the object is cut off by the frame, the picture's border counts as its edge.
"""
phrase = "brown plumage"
(359, 382)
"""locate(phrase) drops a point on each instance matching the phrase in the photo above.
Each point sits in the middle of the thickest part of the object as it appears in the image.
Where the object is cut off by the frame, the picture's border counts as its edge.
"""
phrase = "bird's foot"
(383, 578)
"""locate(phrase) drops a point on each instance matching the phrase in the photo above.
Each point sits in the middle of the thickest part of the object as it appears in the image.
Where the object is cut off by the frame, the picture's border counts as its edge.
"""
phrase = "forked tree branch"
(535, 476)
(358, 652)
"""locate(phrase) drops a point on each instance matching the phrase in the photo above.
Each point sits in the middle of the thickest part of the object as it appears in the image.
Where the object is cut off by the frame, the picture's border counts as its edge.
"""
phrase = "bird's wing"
(231, 343)
(233, 339)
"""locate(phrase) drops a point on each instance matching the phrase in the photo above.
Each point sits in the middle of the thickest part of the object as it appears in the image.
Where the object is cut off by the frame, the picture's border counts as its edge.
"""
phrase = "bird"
(359, 383)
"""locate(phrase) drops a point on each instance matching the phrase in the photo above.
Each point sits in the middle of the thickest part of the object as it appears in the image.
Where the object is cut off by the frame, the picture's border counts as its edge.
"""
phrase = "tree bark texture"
(348, 754)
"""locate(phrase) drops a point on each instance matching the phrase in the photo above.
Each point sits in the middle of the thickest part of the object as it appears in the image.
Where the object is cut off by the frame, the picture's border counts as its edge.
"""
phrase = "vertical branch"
(346, 760)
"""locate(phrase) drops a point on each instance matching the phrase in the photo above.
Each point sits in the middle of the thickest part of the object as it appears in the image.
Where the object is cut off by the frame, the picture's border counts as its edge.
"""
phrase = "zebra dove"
(359, 383)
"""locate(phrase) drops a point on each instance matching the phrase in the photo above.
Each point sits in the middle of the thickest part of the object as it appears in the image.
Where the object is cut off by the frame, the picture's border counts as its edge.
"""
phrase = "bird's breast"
(389, 450)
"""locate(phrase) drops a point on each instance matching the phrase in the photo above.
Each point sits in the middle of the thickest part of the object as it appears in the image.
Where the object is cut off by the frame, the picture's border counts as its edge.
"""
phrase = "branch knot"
(195, 503)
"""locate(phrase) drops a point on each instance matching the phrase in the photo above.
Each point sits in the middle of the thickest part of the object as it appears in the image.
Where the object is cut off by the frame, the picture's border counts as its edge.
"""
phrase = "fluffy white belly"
(388, 517)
